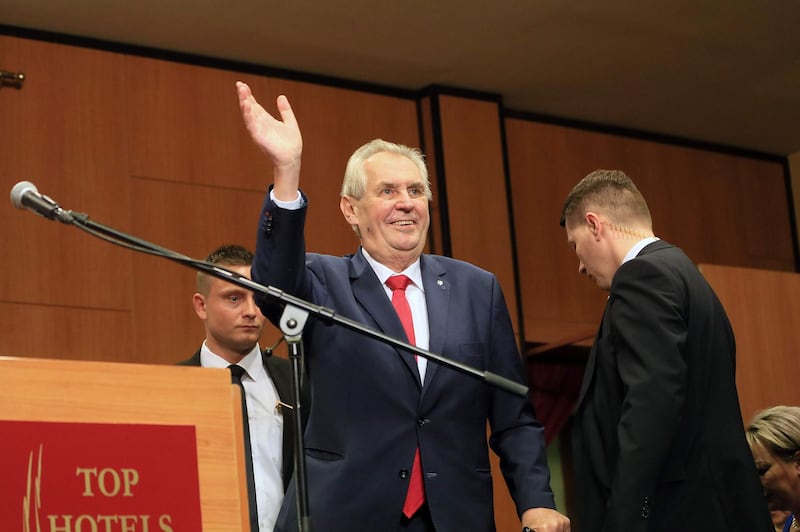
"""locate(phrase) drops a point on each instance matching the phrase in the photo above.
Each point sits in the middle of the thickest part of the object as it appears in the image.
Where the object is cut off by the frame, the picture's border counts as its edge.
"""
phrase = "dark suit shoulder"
(667, 258)
(449, 263)
(194, 360)
(280, 371)
(276, 362)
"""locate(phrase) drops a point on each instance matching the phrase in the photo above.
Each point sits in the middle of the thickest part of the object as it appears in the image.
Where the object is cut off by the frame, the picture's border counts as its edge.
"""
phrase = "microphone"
(25, 195)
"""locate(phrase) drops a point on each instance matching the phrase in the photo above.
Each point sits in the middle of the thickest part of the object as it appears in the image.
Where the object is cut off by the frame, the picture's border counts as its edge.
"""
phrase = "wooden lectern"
(63, 394)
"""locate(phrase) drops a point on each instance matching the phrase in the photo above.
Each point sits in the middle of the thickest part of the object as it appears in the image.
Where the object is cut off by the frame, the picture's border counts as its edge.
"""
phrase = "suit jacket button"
(421, 422)
(645, 508)
(403, 473)
(267, 222)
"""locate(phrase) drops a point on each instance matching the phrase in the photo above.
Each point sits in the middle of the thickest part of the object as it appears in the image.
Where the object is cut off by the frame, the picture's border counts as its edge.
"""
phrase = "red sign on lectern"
(87, 477)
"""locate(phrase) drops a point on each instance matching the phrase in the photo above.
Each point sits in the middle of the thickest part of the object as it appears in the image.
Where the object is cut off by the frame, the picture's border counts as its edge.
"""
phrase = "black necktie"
(236, 378)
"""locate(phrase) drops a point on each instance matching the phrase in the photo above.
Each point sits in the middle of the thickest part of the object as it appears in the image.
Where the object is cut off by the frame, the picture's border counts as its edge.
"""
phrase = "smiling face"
(233, 322)
(391, 216)
(780, 478)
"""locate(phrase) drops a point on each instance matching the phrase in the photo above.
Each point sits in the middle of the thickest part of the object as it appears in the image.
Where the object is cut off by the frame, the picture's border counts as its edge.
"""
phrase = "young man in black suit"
(658, 436)
(233, 327)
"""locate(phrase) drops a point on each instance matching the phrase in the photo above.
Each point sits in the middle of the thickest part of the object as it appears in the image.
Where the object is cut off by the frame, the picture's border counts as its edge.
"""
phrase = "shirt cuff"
(288, 205)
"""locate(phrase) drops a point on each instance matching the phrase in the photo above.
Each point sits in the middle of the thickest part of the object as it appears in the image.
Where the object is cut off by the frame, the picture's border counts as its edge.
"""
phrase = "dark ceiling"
(711, 71)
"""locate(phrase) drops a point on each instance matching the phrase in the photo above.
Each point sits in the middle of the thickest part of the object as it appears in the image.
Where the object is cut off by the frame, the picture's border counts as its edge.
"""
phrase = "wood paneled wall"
(720, 208)
(62, 293)
(764, 309)
(471, 178)
(157, 149)
(470, 188)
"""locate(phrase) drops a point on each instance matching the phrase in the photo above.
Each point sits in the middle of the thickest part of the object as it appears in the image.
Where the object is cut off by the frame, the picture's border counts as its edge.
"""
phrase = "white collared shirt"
(639, 246)
(266, 432)
(415, 294)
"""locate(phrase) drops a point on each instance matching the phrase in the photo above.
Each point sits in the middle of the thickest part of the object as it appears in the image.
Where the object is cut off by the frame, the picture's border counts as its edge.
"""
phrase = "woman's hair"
(777, 430)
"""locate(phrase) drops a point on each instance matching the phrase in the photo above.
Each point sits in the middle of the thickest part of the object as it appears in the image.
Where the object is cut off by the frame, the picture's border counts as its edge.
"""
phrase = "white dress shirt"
(637, 247)
(266, 432)
(415, 294)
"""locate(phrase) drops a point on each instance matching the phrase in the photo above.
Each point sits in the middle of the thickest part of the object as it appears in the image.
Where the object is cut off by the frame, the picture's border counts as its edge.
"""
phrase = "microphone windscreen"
(18, 192)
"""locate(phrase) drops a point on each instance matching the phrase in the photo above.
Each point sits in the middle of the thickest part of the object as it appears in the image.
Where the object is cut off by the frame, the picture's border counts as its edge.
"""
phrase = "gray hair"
(355, 179)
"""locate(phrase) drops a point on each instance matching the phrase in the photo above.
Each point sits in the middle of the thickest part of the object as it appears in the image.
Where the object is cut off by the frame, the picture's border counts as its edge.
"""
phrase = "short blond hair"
(227, 255)
(611, 191)
(777, 430)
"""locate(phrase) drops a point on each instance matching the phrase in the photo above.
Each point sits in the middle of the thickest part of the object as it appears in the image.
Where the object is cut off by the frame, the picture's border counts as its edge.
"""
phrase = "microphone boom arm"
(323, 313)
(295, 314)
(319, 312)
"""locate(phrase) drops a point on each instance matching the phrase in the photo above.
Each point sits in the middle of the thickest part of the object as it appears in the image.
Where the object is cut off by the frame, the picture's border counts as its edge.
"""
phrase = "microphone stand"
(292, 322)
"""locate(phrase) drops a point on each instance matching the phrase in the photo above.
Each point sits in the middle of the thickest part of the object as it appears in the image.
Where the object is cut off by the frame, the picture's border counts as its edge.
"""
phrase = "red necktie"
(416, 488)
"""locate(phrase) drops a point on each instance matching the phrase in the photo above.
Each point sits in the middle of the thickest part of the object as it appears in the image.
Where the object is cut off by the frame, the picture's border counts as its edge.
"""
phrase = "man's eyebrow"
(393, 184)
(233, 290)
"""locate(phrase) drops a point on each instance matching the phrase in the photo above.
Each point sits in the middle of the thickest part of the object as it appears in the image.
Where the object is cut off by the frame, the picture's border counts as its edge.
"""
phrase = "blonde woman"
(774, 438)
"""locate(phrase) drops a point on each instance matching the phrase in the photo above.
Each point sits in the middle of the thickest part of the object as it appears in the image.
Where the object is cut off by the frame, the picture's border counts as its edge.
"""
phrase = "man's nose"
(250, 308)
(404, 198)
(581, 268)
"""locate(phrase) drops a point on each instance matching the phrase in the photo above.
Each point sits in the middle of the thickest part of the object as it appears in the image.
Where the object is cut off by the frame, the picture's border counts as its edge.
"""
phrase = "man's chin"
(246, 345)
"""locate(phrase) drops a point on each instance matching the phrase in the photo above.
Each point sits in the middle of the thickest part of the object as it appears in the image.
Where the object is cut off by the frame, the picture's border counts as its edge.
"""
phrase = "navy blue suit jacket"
(370, 411)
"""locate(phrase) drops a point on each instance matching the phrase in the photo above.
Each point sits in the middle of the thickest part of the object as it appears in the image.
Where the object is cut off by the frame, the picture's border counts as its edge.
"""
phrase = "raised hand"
(280, 139)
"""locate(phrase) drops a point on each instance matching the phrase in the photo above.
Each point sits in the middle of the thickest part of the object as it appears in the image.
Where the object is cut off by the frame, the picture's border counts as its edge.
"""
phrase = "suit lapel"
(364, 283)
(588, 373)
(284, 388)
(437, 300)
(193, 361)
(282, 385)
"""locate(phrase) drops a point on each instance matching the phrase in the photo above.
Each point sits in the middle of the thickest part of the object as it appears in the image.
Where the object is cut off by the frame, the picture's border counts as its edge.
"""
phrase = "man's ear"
(593, 221)
(348, 210)
(199, 304)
